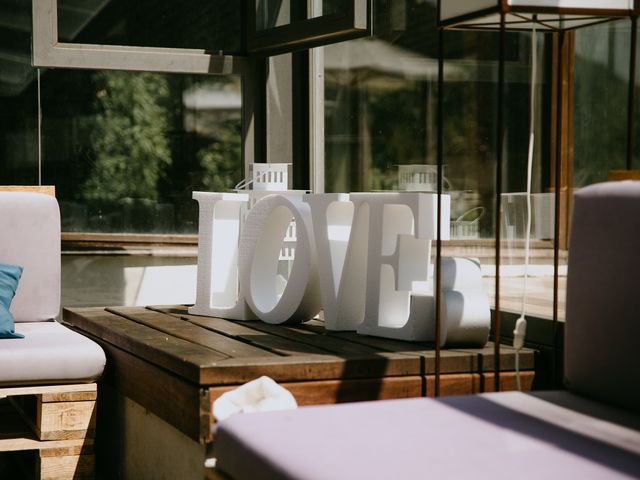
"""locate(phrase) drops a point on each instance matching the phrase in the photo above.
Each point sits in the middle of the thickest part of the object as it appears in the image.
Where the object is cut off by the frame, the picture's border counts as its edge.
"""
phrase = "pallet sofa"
(590, 430)
(47, 379)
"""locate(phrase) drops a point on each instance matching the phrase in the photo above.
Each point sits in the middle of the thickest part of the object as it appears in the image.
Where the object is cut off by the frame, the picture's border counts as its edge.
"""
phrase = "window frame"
(48, 51)
(354, 22)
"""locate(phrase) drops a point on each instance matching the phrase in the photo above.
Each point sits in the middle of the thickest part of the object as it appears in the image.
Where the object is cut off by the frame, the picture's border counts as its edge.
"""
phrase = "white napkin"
(259, 395)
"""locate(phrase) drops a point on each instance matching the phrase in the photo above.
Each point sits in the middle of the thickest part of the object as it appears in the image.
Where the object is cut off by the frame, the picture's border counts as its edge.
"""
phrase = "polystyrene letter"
(401, 227)
(260, 244)
(341, 242)
(218, 291)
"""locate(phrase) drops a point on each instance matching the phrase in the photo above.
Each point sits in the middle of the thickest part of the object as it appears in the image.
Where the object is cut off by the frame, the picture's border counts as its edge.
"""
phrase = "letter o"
(265, 227)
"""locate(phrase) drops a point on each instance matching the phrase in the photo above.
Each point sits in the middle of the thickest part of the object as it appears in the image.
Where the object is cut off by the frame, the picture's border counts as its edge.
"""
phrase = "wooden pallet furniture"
(47, 383)
(58, 422)
(175, 365)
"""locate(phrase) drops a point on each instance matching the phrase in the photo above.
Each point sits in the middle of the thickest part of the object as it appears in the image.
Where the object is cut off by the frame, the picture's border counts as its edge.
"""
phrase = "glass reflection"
(381, 128)
(200, 24)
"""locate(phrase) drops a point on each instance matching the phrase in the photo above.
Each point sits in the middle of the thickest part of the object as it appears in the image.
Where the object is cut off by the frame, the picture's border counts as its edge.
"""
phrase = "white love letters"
(363, 258)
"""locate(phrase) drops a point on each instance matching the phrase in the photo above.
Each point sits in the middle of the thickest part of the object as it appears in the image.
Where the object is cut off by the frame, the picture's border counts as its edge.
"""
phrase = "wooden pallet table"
(175, 365)
(57, 422)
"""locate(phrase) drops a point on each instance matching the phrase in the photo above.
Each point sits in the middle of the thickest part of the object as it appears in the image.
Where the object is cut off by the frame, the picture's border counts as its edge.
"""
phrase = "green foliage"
(129, 136)
(221, 160)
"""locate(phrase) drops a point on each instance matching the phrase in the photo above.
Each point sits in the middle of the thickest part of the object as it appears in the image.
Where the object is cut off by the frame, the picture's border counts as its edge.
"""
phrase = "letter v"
(341, 243)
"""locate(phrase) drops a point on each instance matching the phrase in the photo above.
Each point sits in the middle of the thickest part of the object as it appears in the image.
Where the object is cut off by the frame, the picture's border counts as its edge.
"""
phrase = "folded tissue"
(259, 395)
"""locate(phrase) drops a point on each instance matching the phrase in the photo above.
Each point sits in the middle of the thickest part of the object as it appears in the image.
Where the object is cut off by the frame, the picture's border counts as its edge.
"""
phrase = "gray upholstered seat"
(499, 436)
(505, 435)
(50, 353)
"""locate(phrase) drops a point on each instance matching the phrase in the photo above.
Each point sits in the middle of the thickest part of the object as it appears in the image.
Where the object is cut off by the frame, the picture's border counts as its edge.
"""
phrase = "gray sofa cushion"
(49, 353)
(507, 435)
(30, 238)
(602, 335)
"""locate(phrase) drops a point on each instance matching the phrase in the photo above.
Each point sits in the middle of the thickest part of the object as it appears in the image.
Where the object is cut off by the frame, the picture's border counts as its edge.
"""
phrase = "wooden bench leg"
(54, 466)
(66, 416)
(58, 422)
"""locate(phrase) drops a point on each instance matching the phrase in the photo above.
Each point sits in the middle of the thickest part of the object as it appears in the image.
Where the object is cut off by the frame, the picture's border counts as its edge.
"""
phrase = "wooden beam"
(44, 189)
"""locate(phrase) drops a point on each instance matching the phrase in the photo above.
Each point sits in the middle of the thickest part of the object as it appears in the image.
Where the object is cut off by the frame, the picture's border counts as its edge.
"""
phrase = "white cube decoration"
(523, 14)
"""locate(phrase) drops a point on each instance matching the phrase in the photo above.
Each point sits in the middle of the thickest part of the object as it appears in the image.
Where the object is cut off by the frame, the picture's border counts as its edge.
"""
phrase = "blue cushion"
(9, 278)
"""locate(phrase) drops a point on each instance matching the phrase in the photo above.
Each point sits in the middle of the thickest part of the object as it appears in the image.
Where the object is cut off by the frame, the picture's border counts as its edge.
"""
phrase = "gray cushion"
(49, 353)
(507, 435)
(30, 226)
(602, 335)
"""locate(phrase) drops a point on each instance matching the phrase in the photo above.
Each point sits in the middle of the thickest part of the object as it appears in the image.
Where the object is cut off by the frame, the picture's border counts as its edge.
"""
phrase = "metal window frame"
(48, 51)
(353, 22)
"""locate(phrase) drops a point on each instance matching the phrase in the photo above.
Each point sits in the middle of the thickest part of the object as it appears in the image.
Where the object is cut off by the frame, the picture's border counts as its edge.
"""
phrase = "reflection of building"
(209, 105)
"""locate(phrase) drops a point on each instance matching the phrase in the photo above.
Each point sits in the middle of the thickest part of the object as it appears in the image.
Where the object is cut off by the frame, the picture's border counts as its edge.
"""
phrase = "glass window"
(600, 101)
(278, 13)
(125, 150)
(198, 24)
(381, 134)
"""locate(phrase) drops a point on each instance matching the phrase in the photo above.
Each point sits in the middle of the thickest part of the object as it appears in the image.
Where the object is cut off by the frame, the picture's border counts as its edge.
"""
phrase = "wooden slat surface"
(213, 351)
(176, 364)
(244, 331)
(180, 328)
(178, 402)
(175, 354)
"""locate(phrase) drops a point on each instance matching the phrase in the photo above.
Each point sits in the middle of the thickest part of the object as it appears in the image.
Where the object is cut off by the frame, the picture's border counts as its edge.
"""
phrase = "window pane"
(202, 24)
(601, 79)
(124, 150)
(277, 13)
(600, 107)
(381, 131)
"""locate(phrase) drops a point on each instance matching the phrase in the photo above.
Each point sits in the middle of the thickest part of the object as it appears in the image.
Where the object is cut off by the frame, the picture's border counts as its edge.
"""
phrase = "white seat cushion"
(49, 353)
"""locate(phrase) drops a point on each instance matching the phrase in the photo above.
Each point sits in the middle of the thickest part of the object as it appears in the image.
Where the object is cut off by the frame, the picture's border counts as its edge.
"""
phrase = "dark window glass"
(201, 24)
(600, 113)
(277, 13)
(125, 149)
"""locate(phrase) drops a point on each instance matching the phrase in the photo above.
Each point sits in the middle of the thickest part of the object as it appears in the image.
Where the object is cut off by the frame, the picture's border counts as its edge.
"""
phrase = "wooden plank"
(617, 175)
(452, 360)
(174, 354)
(245, 331)
(49, 389)
(44, 189)
(50, 449)
(311, 367)
(76, 467)
(327, 343)
(167, 395)
(27, 442)
(180, 328)
(65, 420)
(69, 396)
(16, 435)
(301, 364)
(339, 391)
(467, 384)
(483, 358)
(377, 343)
